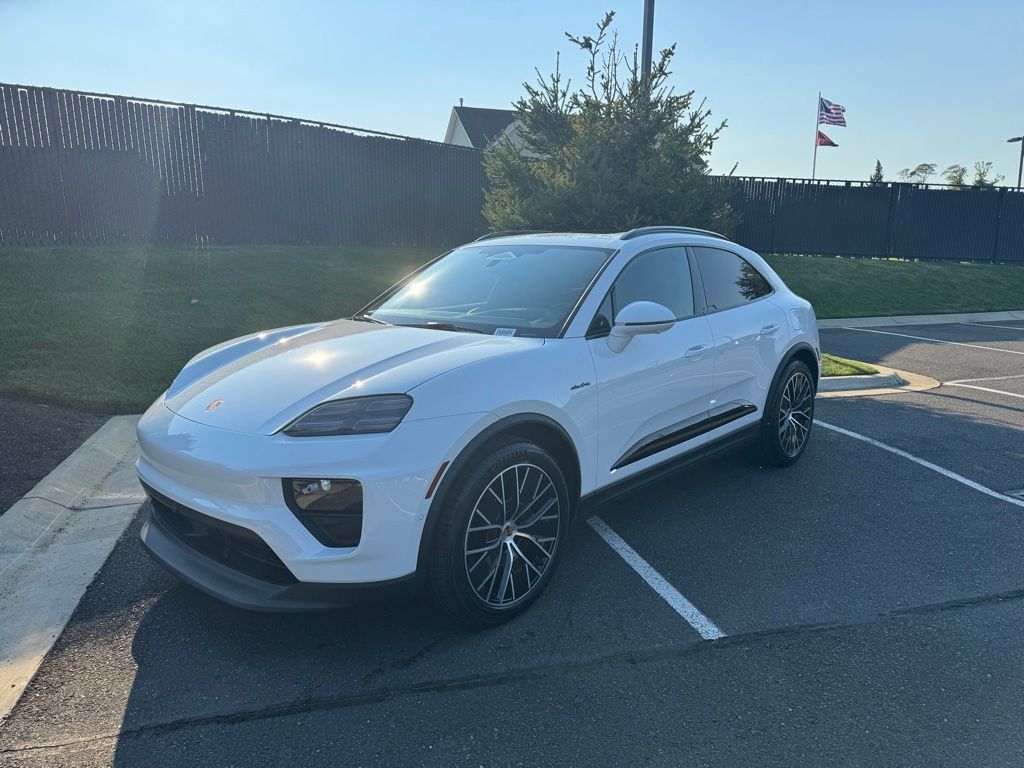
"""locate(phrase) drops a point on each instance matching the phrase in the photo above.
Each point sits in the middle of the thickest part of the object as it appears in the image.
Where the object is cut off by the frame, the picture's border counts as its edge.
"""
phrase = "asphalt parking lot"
(36, 438)
(867, 603)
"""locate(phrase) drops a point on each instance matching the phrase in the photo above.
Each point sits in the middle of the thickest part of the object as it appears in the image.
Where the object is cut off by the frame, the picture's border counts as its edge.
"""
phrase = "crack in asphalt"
(405, 662)
(135, 502)
(493, 679)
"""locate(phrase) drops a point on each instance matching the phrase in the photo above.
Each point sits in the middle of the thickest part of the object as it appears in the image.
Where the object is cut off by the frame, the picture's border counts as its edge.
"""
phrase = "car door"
(749, 332)
(652, 393)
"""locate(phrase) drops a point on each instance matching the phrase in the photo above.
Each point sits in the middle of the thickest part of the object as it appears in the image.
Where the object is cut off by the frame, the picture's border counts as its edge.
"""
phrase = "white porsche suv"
(445, 436)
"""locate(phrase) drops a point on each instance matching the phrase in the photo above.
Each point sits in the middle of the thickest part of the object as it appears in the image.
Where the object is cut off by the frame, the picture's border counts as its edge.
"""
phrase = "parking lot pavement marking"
(924, 463)
(987, 378)
(937, 341)
(983, 389)
(989, 325)
(704, 626)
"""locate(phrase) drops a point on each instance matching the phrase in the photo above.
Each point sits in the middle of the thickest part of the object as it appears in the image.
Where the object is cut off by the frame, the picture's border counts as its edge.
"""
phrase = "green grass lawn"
(840, 366)
(843, 287)
(108, 328)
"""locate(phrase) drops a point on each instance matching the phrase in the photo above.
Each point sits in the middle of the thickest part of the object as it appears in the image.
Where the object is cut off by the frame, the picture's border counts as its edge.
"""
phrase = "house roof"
(484, 125)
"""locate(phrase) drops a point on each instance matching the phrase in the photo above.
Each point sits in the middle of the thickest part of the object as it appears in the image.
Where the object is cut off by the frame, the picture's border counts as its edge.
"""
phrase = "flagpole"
(817, 113)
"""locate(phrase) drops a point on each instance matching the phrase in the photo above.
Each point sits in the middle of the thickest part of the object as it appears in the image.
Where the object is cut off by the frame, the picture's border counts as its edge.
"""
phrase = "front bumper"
(235, 478)
(241, 590)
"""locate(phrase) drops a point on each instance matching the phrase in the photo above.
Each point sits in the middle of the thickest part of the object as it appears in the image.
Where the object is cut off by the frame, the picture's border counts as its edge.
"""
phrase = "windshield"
(523, 290)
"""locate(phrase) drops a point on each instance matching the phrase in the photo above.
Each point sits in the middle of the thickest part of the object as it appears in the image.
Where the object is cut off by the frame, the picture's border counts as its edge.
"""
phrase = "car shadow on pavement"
(200, 662)
(146, 656)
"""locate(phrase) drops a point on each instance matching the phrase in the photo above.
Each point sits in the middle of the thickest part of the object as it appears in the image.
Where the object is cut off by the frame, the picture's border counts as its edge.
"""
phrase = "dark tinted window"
(602, 322)
(729, 280)
(661, 276)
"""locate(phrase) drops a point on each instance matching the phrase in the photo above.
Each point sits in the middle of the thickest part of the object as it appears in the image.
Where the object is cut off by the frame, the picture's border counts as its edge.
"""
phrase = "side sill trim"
(596, 499)
(664, 440)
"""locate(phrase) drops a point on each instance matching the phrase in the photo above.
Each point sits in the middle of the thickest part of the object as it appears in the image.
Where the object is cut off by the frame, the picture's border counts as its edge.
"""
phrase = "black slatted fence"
(850, 218)
(81, 168)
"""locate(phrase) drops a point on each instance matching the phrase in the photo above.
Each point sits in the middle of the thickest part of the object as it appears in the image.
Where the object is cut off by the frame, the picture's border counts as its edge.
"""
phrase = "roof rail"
(640, 231)
(510, 233)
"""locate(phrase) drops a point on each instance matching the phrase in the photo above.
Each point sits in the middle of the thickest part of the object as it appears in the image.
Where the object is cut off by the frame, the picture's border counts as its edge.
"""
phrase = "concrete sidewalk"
(52, 543)
(968, 317)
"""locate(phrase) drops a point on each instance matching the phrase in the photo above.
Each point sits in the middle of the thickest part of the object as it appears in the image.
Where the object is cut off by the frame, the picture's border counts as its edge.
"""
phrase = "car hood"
(260, 383)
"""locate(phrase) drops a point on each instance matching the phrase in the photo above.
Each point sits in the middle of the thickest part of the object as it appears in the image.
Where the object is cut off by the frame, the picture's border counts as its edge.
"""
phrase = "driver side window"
(661, 276)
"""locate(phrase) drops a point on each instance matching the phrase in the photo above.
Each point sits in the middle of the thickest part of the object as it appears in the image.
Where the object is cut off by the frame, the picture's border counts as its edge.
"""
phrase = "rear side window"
(729, 280)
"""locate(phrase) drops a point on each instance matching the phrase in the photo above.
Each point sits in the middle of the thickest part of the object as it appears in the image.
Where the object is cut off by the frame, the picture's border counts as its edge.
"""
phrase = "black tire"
(789, 414)
(461, 560)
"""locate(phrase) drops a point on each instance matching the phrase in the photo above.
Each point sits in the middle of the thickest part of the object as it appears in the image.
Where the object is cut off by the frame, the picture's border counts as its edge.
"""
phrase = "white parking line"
(987, 378)
(704, 626)
(934, 467)
(988, 325)
(983, 389)
(937, 341)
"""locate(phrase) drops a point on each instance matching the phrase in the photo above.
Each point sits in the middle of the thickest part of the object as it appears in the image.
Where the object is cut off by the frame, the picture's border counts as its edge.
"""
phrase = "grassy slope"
(840, 366)
(108, 328)
(840, 287)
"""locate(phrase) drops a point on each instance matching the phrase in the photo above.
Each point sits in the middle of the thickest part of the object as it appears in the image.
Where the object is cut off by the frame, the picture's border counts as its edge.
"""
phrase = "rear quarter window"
(729, 280)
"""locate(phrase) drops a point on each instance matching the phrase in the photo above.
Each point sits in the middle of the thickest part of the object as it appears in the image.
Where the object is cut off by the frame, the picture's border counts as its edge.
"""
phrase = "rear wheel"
(789, 413)
(499, 535)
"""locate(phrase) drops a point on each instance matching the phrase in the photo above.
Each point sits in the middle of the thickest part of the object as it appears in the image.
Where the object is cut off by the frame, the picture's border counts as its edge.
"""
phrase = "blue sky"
(922, 81)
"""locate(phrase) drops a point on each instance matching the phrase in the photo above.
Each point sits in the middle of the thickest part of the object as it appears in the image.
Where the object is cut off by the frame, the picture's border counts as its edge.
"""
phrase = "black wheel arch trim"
(787, 358)
(505, 424)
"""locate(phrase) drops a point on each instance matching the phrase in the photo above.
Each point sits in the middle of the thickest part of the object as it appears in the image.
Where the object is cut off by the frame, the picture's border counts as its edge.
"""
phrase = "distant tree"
(918, 175)
(622, 151)
(955, 175)
(981, 171)
(876, 175)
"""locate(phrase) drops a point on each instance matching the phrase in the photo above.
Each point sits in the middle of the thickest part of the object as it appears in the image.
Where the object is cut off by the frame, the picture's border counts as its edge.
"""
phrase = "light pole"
(648, 39)
(1020, 167)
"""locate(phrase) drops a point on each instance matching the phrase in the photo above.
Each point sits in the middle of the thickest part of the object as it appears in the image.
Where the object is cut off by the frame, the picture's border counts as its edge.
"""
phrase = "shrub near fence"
(81, 168)
(850, 218)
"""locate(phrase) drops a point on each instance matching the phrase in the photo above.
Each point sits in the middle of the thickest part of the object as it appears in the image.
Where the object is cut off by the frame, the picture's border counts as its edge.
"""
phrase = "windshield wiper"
(364, 318)
(441, 327)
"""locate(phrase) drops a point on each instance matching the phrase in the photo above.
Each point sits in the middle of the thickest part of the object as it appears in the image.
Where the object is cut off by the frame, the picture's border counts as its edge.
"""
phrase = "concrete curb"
(52, 543)
(888, 381)
(864, 381)
(874, 322)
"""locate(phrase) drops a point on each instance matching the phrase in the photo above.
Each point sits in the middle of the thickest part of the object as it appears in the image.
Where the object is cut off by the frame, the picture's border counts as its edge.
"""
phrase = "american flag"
(829, 113)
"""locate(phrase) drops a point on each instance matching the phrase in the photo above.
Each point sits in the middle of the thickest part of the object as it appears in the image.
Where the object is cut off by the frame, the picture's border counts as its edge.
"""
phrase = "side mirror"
(637, 318)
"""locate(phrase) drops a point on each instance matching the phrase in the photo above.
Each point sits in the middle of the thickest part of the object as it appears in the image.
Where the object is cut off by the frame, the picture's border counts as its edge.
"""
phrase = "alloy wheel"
(796, 412)
(512, 535)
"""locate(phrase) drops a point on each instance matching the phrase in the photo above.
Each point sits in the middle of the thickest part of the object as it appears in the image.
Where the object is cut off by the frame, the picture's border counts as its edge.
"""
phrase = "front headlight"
(354, 416)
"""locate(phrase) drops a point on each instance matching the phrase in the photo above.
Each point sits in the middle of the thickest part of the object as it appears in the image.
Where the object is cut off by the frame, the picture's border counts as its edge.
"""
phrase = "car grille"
(238, 548)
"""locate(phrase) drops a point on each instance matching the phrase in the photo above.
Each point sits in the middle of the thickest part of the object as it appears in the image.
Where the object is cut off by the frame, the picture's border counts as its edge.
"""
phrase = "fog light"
(314, 487)
(331, 510)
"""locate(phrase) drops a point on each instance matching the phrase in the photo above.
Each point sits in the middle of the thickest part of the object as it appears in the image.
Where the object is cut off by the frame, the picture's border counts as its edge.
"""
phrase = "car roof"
(615, 240)
(585, 239)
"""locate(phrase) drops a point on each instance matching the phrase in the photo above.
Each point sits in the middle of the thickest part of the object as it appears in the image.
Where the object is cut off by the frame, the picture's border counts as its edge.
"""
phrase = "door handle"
(697, 351)
(770, 329)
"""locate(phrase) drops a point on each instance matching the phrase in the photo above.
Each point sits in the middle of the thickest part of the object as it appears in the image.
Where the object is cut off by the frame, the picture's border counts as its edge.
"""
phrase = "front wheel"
(499, 535)
(789, 413)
